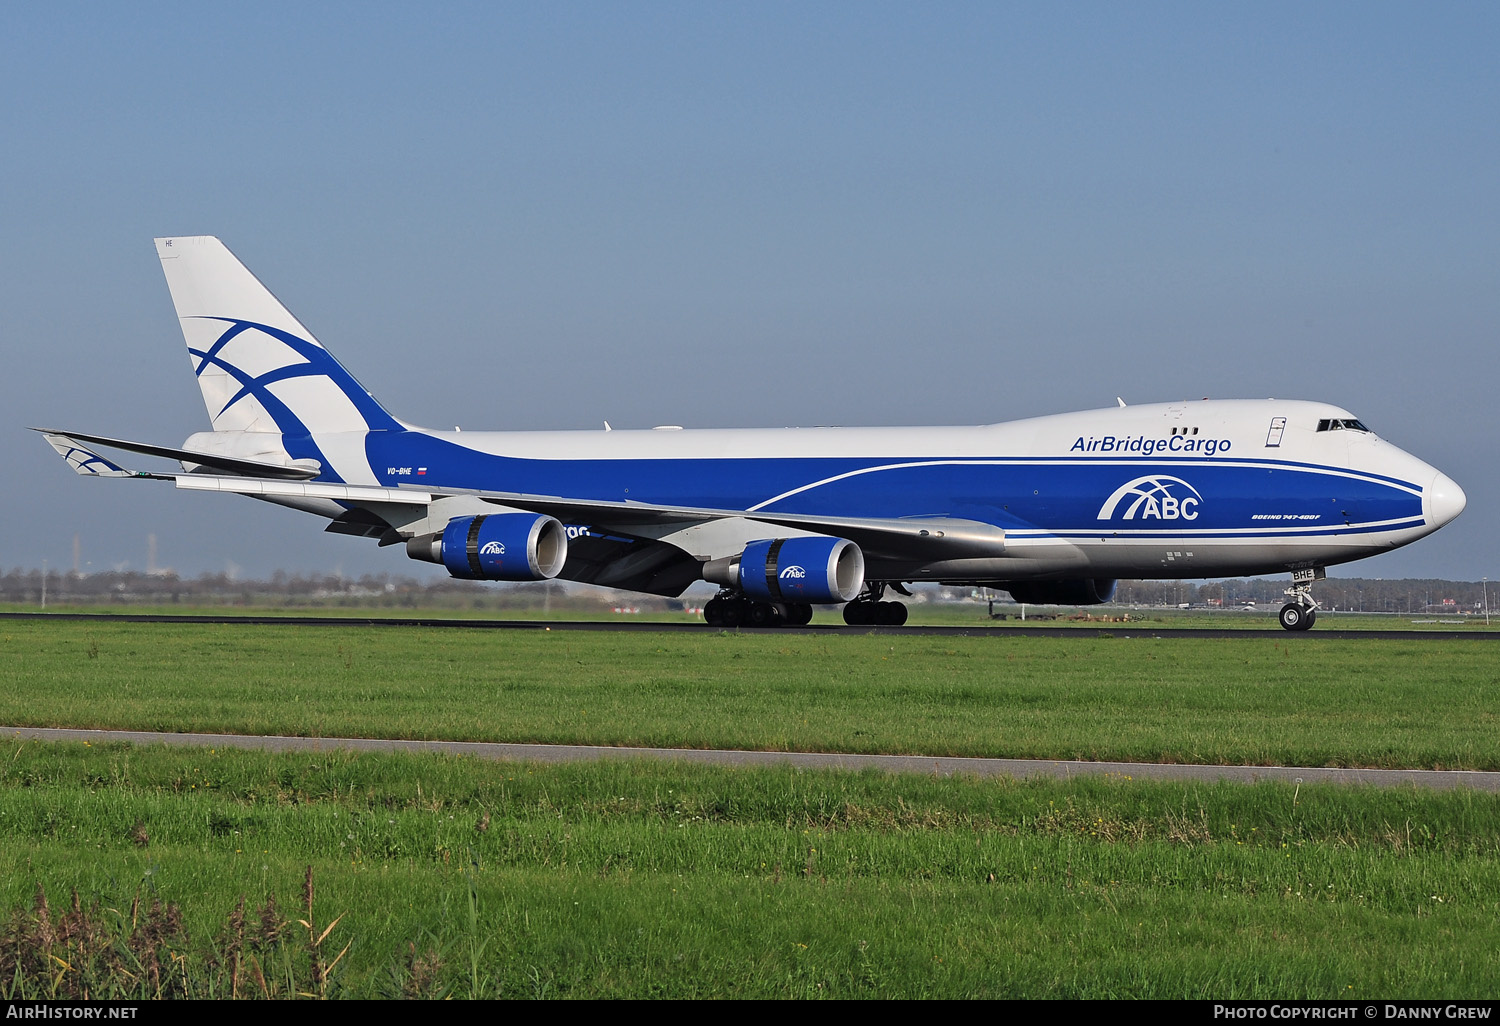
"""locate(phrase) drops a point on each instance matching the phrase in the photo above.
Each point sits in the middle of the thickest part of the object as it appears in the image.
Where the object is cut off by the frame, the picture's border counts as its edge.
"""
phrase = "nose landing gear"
(1302, 611)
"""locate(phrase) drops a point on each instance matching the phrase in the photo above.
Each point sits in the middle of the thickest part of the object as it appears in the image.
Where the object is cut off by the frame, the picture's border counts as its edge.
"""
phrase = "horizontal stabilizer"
(214, 461)
(84, 461)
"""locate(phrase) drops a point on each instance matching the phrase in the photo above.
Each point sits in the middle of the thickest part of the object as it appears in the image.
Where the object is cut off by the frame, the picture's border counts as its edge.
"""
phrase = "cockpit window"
(1341, 425)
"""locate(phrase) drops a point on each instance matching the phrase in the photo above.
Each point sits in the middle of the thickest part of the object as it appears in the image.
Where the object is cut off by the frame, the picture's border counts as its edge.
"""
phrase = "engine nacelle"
(802, 570)
(1089, 591)
(497, 547)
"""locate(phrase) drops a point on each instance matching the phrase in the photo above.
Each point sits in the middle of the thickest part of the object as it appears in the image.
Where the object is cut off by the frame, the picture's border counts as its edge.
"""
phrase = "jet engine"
(1090, 591)
(801, 570)
(497, 547)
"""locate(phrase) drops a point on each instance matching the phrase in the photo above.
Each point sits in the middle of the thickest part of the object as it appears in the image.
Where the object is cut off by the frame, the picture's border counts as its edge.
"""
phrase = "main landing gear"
(1302, 611)
(869, 611)
(731, 609)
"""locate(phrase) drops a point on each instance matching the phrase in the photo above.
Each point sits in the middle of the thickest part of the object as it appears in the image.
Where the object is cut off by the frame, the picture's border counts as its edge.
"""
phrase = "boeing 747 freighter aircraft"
(1053, 510)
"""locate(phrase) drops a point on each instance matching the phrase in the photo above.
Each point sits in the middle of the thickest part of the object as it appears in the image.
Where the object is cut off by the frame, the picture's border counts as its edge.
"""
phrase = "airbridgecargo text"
(1150, 446)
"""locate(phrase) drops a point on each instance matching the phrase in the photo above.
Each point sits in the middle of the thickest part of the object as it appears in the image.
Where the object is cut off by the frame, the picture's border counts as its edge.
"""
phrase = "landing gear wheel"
(732, 613)
(865, 613)
(764, 614)
(732, 610)
(1297, 618)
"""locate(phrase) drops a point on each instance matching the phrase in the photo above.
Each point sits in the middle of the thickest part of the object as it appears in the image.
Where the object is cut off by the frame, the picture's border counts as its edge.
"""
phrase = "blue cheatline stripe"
(1188, 536)
(1228, 498)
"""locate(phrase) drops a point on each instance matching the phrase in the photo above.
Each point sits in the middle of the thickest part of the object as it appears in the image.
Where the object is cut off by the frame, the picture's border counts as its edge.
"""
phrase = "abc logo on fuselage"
(1153, 497)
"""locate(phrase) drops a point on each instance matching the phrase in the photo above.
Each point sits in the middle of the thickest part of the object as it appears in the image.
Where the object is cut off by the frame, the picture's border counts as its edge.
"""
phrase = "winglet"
(84, 461)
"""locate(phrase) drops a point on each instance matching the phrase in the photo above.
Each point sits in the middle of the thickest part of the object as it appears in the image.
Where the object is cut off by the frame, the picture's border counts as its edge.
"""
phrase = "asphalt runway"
(1111, 630)
(939, 767)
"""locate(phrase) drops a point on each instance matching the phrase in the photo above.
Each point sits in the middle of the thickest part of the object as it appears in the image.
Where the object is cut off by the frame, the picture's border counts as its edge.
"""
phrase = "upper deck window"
(1341, 425)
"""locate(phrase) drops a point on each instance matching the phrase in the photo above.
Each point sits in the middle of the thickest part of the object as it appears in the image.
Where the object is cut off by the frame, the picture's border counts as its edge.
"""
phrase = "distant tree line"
(1371, 595)
(25, 587)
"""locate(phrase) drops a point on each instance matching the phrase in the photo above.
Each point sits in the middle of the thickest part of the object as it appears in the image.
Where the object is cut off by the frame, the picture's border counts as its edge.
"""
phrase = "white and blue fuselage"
(1192, 489)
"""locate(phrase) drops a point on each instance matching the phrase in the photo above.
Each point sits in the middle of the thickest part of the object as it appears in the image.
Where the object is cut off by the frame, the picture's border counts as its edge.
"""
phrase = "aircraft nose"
(1445, 500)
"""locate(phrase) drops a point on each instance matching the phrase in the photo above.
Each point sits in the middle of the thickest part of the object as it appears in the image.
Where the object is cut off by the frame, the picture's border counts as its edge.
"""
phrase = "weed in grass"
(231, 947)
(95, 951)
(473, 942)
(422, 976)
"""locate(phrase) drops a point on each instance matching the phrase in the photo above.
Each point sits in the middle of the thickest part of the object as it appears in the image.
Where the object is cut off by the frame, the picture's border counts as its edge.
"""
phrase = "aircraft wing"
(624, 547)
(929, 537)
(915, 537)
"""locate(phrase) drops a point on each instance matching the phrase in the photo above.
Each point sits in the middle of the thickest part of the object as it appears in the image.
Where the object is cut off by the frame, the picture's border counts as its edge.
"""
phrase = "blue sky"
(546, 215)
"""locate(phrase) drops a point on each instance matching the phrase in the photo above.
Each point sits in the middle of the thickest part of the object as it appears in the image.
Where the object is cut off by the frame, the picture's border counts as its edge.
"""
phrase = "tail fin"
(259, 369)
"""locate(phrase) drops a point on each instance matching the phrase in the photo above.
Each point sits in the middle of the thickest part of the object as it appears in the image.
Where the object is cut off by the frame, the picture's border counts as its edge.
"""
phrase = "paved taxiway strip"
(1110, 630)
(941, 767)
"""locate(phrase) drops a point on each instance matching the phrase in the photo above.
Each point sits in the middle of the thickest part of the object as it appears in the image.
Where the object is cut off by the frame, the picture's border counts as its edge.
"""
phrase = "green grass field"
(635, 880)
(1259, 700)
(461, 878)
